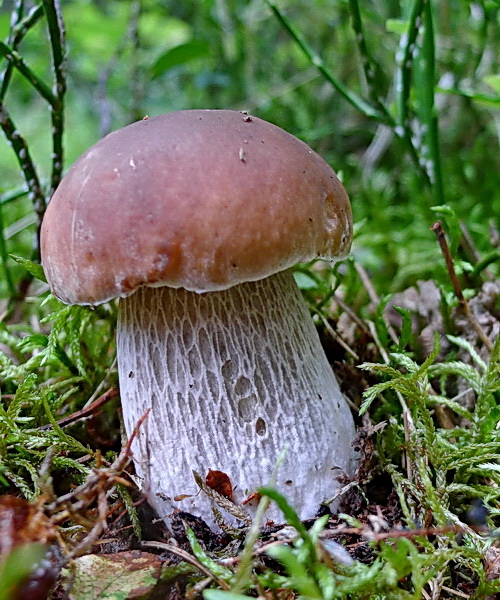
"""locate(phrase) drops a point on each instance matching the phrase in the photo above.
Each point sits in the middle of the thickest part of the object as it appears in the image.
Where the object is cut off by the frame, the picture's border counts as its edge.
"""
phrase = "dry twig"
(185, 556)
(86, 412)
(94, 492)
(441, 238)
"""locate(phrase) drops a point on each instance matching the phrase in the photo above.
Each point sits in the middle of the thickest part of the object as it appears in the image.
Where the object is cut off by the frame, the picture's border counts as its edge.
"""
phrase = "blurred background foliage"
(130, 58)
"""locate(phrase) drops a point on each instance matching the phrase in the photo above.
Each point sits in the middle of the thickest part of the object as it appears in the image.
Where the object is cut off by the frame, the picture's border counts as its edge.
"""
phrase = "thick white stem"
(231, 378)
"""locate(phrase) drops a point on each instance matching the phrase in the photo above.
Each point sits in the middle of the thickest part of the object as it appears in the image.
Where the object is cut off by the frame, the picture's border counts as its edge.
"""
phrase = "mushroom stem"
(231, 378)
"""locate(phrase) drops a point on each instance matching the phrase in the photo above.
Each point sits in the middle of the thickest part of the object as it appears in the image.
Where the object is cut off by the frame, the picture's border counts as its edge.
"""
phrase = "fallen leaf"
(128, 575)
(220, 482)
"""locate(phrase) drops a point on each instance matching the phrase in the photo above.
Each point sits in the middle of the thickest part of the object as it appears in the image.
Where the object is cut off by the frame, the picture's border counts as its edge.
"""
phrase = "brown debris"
(22, 523)
(492, 563)
(220, 482)
(424, 301)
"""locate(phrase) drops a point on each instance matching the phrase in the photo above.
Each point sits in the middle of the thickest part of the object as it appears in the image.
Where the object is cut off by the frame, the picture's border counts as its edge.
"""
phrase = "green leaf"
(466, 345)
(406, 329)
(489, 467)
(219, 595)
(493, 81)
(423, 86)
(380, 321)
(493, 101)
(398, 26)
(398, 557)
(218, 570)
(451, 404)
(17, 565)
(300, 577)
(305, 281)
(34, 341)
(179, 55)
(291, 516)
(452, 225)
(371, 393)
(32, 267)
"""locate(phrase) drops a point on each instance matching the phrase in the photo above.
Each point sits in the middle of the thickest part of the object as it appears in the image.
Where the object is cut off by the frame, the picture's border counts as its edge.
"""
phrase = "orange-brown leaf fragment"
(220, 482)
(181, 497)
(255, 497)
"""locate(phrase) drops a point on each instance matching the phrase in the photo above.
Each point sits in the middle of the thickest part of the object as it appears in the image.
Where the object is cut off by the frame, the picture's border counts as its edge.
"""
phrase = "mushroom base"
(231, 378)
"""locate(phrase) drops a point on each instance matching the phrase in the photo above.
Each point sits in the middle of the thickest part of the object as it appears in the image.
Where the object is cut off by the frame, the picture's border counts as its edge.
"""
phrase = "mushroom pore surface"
(231, 378)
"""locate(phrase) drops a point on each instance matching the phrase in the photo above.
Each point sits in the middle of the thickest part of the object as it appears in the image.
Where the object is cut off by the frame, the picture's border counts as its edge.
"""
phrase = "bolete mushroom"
(193, 219)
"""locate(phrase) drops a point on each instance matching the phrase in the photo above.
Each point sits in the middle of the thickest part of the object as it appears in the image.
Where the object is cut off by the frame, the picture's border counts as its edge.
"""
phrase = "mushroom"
(193, 219)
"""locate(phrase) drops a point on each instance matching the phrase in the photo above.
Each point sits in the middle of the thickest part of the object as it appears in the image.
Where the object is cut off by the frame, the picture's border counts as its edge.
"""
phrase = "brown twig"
(443, 244)
(85, 413)
(366, 532)
(93, 493)
(112, 472)
(345, 307)
(186, 557)
(367, 284)
(393, 534)
(335, 336)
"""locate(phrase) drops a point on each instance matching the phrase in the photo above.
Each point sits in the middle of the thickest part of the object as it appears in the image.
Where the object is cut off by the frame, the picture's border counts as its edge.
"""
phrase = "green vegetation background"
(127, 59)
(401, 98)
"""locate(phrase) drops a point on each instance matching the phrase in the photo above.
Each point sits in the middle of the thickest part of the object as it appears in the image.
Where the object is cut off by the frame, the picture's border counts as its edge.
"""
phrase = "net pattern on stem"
(231, 379)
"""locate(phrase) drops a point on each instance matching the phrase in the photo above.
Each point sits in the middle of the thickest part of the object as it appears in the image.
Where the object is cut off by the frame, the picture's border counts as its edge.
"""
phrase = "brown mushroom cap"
(198, 199)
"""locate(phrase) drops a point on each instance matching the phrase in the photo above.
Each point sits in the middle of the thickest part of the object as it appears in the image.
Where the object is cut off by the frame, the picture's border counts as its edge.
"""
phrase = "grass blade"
(373, 73)
(404, 77)
(358, 102)
(425, 98)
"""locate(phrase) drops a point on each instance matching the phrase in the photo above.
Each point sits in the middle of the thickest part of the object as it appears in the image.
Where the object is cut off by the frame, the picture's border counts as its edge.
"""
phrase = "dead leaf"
(131, 575)
(220, 482)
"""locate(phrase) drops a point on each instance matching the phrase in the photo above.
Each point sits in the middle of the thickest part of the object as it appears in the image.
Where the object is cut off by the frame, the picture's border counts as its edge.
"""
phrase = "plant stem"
(55, 24)
(24, 159)
(4, 257)
(441, 238)
(11, 196)
(372, 70)
(137, 88)
(401, 126)
(403, 86)
(17, 33)
(358, 102)
(429, 110)
(18, 62)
